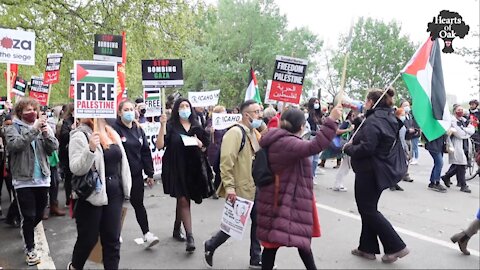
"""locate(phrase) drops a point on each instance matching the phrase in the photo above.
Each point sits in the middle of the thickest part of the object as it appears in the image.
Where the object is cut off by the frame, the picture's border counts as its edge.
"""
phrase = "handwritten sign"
(223, 120)
(288, 79)
(204, 99)
(95, 89)
(235, 217)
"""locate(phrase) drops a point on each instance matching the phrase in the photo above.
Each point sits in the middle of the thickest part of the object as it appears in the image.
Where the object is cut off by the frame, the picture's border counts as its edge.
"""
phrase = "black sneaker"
(446, 181)
(255, 265)
(437, 187)
(465, 189)
(208, 258)
(397, 187)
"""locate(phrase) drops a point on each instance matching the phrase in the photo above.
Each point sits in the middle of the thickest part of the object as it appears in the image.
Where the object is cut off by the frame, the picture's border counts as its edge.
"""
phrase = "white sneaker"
(32, 258)
(340, 189)
(150, 240)
(120, 239)
(315, 182)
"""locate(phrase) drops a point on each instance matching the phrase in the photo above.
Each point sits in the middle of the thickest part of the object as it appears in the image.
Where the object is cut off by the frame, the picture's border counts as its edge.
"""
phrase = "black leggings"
(136, 199)
(268, 258)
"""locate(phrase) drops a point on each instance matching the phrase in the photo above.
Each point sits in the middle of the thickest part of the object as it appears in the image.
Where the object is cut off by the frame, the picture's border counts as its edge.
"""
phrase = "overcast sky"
(329, 19)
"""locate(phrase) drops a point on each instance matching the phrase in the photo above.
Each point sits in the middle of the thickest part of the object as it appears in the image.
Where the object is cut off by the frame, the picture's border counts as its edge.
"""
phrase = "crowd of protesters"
(43, 147)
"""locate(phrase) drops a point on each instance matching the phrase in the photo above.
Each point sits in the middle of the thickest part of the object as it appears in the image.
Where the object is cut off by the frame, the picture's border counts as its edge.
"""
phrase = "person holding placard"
(140, 159)
(186, 174)
(100, 213)
(29, 141)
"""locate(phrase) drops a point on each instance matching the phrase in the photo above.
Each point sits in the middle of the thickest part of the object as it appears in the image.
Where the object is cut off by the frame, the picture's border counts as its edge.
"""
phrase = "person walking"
(216, 137)
(186, 174)
(68, 124)
(29, 141)
(315, 120)
(378, 136)
(140, 160)
(289, 159)
(462, 130)
(100, 214)
(412, 131)
(436, 148)
(462, 237)
(236, 176)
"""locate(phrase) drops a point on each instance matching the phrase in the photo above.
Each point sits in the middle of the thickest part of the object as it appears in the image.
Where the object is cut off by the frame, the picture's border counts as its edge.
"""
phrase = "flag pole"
(345, 61)
(49, 93)
(8, 83)
(376, 103)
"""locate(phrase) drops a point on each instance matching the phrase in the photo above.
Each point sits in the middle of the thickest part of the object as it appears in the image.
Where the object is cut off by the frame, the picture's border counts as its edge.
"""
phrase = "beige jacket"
(82, 159)
(236, 167)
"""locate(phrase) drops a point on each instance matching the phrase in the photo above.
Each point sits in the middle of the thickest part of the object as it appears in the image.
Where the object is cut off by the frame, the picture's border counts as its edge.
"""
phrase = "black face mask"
(143, 111)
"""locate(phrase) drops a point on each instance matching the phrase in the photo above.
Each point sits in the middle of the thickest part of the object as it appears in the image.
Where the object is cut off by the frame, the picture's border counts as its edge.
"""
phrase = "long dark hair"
(292, 120)
(316, 115)
(175, 118)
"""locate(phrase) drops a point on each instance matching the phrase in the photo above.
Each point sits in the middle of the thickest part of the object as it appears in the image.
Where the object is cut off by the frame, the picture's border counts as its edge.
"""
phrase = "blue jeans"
(415, 147)
(437, 166)
(315, 163)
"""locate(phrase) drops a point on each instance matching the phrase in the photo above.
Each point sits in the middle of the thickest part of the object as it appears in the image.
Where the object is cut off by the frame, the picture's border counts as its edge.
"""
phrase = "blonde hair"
(218, 109)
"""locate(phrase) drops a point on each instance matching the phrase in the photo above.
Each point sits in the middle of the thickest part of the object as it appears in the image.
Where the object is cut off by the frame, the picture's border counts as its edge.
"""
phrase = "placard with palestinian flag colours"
(108, 48)
(52, 71)
(2, 104)
(95, 89)
(19, 87)
(153, 102)
(39, 91)
(162, 73)
(423, 76)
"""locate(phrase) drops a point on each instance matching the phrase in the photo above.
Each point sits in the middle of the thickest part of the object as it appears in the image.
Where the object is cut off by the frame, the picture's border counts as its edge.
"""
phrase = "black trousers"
(8, 182)
(105, 221)
(31, 203)
(268, 258)
(459, 171)
(67, 183)
(374, 224)
(136, 199)
(255, 249)
(53, 190)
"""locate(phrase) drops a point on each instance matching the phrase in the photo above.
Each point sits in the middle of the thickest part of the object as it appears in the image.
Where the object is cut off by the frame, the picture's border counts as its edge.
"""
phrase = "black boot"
(177, 232)
(190, 243)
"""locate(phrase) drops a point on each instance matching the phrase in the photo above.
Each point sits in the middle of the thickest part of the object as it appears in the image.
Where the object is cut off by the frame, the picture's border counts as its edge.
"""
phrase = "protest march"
(261, 141)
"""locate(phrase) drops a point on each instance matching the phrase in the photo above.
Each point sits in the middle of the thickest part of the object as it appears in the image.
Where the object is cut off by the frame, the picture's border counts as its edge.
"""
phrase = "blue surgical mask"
(184, 113)
(402, 118)
(316, 106)
(256, 123)
(128, 116)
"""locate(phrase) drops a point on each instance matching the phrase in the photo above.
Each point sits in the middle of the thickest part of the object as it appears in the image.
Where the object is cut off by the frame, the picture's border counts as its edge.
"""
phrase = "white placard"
(17, 47)
(235, 217)
(153, 101)
(151, 132)
(224, 120)
(188, 140)
(204, 99)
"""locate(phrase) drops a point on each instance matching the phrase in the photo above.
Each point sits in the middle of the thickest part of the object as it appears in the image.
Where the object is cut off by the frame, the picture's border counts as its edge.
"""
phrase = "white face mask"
(306, 116)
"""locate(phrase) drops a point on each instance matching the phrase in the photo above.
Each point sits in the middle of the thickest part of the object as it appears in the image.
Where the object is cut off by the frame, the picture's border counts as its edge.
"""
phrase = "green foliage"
(378, 53)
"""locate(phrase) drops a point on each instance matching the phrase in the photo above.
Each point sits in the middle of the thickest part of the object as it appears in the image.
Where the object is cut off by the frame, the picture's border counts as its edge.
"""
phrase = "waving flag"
(423, 76)
(252, 90)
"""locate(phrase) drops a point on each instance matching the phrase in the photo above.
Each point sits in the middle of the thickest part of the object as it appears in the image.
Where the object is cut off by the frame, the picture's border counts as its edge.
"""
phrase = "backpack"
(216, 165)
(261, 171)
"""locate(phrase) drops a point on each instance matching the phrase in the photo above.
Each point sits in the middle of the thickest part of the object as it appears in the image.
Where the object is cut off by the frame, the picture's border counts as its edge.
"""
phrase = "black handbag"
(84, 185)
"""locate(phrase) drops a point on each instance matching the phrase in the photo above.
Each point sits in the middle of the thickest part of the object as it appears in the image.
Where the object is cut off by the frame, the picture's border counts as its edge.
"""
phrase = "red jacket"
(273, 123)
(291, 222)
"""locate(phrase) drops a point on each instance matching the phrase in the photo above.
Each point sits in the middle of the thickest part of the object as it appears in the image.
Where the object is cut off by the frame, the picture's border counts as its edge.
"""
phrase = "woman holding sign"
(186, 174)
(134, 139)
(99, 214)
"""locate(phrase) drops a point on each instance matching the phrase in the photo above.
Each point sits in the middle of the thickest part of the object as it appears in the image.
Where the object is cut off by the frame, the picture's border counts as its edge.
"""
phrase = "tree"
(378, 53)
(473, 58)
(243, 34)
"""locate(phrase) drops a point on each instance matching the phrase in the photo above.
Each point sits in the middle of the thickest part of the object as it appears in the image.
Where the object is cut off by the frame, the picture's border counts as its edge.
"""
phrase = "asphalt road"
(425, 220)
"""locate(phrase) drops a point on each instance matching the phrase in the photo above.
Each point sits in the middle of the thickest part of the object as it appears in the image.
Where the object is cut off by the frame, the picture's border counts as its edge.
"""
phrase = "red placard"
(51, 77)
(286, 92)
(41, 97)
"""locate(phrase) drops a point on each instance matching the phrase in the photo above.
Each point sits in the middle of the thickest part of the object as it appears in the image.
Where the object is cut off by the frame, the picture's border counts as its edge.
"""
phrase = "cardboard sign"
(224, 120)
(151, 132)
(17, 47)
(235, 217)
(204, 99)
(95, 85)
(153, 102)
(42, 98)
(288, 79)
(19, 87)
(52, 71)
(162, 73)
(108, 48)
(71, 90)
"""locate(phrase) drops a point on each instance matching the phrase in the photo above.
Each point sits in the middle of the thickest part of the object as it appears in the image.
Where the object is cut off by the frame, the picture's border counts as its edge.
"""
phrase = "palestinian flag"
(252, 90)
(423, 76)
(151, 94)
(96, 73)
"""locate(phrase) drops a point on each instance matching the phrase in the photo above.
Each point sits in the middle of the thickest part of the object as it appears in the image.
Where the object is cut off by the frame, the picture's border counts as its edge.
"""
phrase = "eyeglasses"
(255, 112)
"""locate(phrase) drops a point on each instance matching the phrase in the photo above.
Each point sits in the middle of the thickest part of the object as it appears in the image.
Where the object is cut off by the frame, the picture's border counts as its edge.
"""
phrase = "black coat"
(374, 140)
(411, 123)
